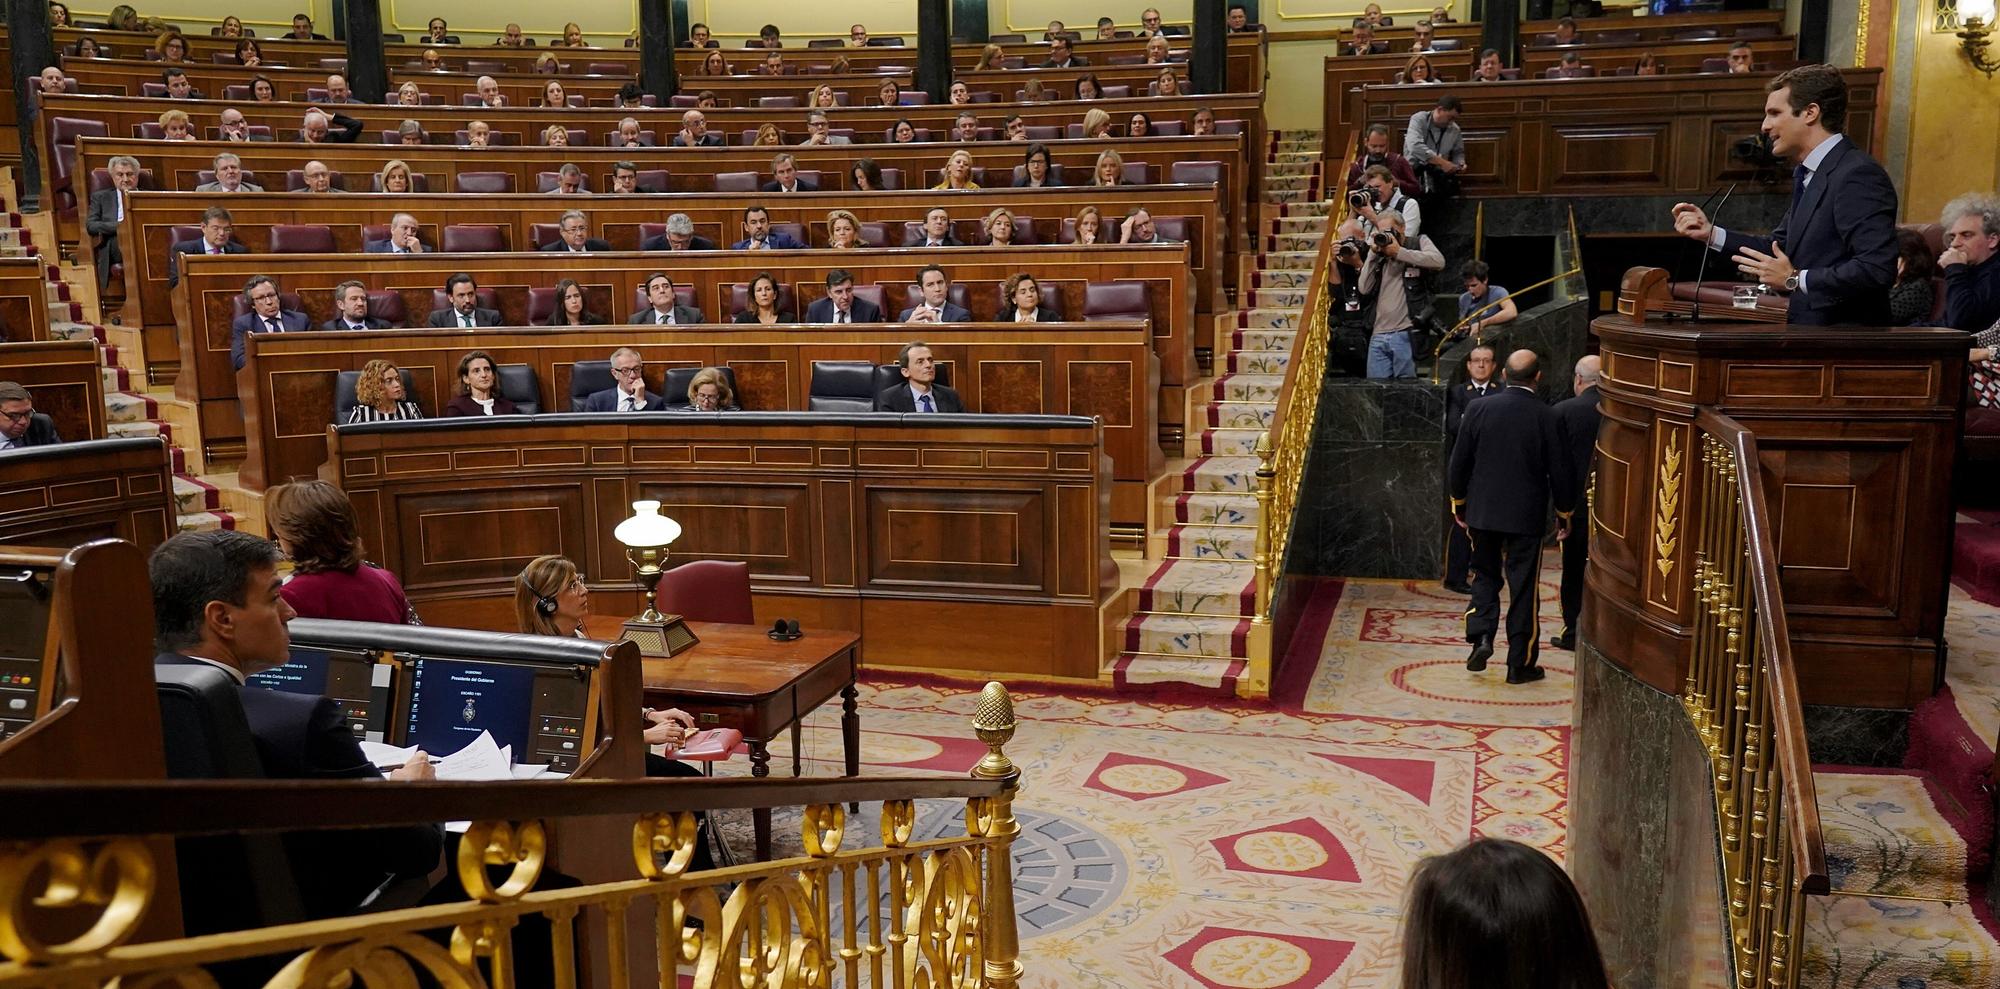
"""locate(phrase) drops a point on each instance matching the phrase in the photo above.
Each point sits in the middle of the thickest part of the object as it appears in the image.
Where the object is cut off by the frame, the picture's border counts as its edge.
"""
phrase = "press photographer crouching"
(1394, 293)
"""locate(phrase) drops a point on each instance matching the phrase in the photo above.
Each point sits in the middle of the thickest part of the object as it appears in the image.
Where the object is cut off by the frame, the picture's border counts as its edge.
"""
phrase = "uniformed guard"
(1480, 381)
(1578, 417)
(1508, 463)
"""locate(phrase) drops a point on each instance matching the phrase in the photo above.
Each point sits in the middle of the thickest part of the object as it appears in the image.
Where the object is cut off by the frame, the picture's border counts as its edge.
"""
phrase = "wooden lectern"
(1857, 430)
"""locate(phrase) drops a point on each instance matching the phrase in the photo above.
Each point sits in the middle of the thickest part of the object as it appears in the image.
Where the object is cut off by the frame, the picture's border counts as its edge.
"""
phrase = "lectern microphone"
(1694, 315)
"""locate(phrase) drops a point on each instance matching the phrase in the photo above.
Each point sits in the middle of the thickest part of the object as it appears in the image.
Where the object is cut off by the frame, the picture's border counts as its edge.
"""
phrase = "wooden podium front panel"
(1856, 433)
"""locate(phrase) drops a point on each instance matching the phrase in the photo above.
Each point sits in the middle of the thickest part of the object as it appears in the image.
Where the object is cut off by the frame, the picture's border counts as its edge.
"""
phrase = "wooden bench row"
(66, 379)
(24, 310)
(1106, 370)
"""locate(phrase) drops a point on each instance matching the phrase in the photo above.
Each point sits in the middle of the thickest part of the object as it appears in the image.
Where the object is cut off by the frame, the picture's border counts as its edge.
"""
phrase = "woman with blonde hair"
(709, 392)
(989, 59)
(174, 126)
(843, 230)
(1420, 70)
(1089, 226)
(573, 35)
(1110, 169)
(394, 176)
(555, 136)
(232, 26)
(821, 97)
(768, 137)
(379, 395)
(957, 173)
(314, 523)
(1168, 84)
(171, 46)
(713, 64)
(408, 94)
(1000, 227)
(547, 64)
(1097, 123)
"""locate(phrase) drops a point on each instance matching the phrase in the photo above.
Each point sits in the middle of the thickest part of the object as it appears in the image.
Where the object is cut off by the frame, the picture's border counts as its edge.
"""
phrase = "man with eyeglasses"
(628, 390)
(574, 237)
(20, 425)
(820, 132)
(679, 236)
(857, 36)
(218, 229)
(267, 315)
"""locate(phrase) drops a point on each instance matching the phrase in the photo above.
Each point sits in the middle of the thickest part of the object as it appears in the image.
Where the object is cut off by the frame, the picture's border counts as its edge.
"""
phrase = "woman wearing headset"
(550, 599)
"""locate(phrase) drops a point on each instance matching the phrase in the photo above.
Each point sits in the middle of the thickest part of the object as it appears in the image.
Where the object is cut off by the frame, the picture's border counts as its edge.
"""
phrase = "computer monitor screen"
(452, 701)
(303, 673)
(25, 649)
(354, 679)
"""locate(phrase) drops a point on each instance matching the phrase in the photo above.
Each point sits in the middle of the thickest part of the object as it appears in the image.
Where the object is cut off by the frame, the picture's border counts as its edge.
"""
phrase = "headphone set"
(545, 604)
(785, 630)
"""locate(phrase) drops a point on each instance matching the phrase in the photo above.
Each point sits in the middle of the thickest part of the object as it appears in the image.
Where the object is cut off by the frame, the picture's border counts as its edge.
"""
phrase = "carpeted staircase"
(127, 411)
(1907, 852)
(1190, 632)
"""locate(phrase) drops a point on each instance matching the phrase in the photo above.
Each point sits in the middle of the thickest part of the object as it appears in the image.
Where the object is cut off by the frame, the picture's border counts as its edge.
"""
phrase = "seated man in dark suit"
(629, 135)
(937, 306)
(1062, 56)
(574, 235)
(266, 315)
(1138, 229)
(217, 226)
(919, 391)
(107, 210)
(936, 231)
(840, 305)
(350, 300)
(625, 179)
(628, 393)
(402, 238)
(758, 235)
(1834, 253)
(694, 132)
(680, 236)
(785, 176)
(664, 311)
(464, 312)
(20, 425)
(179, 86)
(216, 603)
(317, 128)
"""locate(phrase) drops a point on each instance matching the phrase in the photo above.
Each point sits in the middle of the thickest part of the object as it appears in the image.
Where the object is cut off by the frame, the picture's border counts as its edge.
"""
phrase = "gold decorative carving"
(1666, 518)
(116, 878)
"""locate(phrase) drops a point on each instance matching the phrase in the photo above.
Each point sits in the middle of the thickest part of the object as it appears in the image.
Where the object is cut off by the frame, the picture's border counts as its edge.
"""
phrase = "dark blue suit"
(1509, 462)
(608, 399)
(248, 323)
(195, 246)
(1841, 231)
(777, 240)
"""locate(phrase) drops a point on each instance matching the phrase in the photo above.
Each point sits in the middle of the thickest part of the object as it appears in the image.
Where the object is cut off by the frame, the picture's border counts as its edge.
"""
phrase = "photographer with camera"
(1392, 269)
(1377, 197)
(1375, 151)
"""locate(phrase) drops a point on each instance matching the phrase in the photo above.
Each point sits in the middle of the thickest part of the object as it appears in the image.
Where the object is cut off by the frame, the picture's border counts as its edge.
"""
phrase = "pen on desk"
(434, 760)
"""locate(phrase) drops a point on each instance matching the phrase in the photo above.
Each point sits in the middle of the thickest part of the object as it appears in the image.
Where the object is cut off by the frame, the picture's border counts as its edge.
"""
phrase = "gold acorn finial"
(994, 724)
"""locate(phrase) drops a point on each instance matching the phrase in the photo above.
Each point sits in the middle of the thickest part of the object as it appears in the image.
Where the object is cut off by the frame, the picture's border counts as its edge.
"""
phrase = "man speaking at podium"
(1834, 253)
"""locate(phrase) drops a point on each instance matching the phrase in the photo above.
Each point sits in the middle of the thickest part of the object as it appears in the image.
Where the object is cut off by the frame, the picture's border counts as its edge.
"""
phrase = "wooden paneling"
(1856, 433)
(288, 383)
(880, 523)
(212, 283)
(24, 310)
(70, 493)
(66, 380)
(1653, 135)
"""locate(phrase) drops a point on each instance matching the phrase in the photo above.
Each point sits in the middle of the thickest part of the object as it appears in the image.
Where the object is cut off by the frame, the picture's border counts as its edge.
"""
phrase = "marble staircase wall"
(1372, 502)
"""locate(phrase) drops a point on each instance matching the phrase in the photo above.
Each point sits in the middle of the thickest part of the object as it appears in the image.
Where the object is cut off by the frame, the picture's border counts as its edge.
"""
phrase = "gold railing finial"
(993, 722)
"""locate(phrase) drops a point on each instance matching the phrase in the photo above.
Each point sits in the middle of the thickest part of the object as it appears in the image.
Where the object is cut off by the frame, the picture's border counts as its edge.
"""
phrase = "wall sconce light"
(646, 536)
(1975, 18)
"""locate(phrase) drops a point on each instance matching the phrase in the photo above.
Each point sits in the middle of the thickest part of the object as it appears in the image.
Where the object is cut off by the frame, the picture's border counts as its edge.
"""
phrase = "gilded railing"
(1742, 696)
(906, 913)
(1282, 449)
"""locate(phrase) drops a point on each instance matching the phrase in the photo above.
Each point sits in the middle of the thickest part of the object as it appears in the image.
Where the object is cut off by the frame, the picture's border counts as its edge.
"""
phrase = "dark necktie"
(924, 403)
(664, 317)
(465, 321)
(1799, 176)
(272, 322)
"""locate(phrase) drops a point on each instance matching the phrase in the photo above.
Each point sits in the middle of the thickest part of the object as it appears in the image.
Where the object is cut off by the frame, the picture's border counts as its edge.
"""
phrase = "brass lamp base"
(668, 636)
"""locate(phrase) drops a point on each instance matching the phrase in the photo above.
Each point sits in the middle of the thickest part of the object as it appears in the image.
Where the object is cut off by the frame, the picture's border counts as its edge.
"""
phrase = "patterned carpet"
(1172, 846)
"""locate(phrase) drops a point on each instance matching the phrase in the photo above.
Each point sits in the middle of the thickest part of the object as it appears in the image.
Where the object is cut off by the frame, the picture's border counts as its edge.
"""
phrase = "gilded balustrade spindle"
(994, 724)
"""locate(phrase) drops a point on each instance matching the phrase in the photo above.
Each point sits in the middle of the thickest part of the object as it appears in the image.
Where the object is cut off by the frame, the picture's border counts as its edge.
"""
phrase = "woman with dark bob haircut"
(1497, 914)
(314, 524)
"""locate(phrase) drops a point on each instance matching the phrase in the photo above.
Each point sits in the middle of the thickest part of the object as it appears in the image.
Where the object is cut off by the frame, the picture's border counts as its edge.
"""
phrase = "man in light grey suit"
(107, 209)
(818, 131)
(228, 176)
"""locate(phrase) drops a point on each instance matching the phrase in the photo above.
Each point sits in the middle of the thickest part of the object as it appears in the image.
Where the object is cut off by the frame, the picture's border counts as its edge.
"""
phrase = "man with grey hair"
(785, 176)
(679, 236)
(411, 134)
(819, 131)
(402, 238)
(630, 135)
(573, 235)
(1576, 423)
(317, 128)
(488, 89)
(1971, 275)
(318, 178)
(628, 387)
(694, 132)
(569, 181)
(107, 211)
(228, 176)
(231, 125)
(337, 91)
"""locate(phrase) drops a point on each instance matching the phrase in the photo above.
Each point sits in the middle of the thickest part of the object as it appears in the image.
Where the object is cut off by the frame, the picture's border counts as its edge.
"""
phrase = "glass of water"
(1745, 296)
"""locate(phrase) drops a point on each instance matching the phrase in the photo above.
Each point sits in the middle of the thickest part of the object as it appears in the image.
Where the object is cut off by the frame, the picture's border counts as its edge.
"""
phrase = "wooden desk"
(738, 677)
(24, 300)
(66, 381)
(68, 494)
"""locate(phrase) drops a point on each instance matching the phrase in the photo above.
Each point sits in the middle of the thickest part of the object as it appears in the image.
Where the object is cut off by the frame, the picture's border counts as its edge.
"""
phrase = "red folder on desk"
(711, 745)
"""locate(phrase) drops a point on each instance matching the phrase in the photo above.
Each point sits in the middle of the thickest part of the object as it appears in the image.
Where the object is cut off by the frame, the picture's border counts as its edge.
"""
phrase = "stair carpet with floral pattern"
(1191, 629)
(197, 503)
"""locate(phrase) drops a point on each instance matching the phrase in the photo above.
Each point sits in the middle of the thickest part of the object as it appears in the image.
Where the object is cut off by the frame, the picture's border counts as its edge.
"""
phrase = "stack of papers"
(483, 760)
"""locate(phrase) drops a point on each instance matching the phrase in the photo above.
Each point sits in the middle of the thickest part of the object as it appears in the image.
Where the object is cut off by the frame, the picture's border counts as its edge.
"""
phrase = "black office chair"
(519, 385)
(888, 376)
(842, 386)
(678, 379)
(343, 393)
(586, 378)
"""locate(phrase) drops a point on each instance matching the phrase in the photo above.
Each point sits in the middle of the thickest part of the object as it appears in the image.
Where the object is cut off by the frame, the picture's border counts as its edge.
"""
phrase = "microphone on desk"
(1694, 316)
(1684, 249)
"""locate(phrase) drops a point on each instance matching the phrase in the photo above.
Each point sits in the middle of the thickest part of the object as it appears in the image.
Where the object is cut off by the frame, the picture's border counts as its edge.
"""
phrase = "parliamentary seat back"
(518, 384)
(607, 68)
(676, 388)
(343, 393)
(484, 182)
(387, 305)
(1195, 172)
(587, 378)
(149, 130)
(1168, 128)
(476, 238)
(1116, 300)
(709, 591)
(153, 90)
(1041, 132)
(236, 91)
(777, 102)
(301, 238)
(842, 386)
(547, 181)
(875, 233)
(1170, 227)
(736, 182)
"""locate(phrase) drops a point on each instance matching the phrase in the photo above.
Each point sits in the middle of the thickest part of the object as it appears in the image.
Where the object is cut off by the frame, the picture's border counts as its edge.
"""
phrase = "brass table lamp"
(646, 536)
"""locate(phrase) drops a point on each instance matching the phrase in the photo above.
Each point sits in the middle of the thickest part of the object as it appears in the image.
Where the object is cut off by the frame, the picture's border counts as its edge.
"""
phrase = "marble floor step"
(1249, 387)
(1212, 542)
(1176, 676)
(1280, 278)
(1282, 196)
(1258, 362)
(1278, 298)
(1214, 636)
(1862, 942)
(1288, 260)
(127, 407)
(142, 427)
(206, 521)
(1314, 207)
(192, 495)
(1290, 169)
(1263, 338)
(1308, 241)
(1218, 473)
(1298, 224)
(1215, 508)
(1201, 587)
(1891, 833)
(1260, 318)
(1240, 415)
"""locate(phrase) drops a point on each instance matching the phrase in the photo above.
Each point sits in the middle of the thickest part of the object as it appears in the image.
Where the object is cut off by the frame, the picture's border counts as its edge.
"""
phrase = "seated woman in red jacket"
(314, 524)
